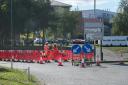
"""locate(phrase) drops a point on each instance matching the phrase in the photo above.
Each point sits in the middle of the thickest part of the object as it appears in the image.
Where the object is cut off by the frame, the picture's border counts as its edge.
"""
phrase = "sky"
(110, 5)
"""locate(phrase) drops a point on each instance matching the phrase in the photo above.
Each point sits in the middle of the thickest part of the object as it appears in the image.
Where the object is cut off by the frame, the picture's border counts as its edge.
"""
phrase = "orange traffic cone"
(98, 61)
(60, 62)
(82, 63)
(41, 60)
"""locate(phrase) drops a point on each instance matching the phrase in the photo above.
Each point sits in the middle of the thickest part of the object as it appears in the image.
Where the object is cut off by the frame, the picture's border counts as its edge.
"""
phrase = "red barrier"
(34, 55)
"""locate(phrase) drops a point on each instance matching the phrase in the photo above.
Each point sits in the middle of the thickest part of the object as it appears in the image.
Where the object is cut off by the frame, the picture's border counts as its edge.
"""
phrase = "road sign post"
(87, 48)
(76, 49)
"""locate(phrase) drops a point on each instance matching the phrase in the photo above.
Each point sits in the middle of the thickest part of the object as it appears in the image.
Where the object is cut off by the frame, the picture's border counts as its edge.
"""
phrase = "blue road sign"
(87, 48)
(76, 49)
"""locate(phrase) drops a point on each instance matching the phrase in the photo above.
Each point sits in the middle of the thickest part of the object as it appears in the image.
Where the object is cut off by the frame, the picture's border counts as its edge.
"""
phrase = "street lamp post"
(94, 7)
(94, 40)
(11, 24)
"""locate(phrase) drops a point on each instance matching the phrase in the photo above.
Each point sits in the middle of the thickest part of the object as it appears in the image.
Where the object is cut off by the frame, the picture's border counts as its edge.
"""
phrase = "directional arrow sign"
(76, 49)
(87, 48)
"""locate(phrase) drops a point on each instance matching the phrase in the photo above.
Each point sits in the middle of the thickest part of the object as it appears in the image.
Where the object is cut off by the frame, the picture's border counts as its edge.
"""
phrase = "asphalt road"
(51, 74)
(111, 56)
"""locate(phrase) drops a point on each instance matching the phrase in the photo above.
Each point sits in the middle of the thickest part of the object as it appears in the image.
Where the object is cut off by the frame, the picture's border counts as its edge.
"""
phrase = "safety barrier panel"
(36, 55)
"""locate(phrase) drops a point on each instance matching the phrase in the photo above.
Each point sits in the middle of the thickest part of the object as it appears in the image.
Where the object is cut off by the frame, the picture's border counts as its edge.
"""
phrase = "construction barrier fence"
(37, 55)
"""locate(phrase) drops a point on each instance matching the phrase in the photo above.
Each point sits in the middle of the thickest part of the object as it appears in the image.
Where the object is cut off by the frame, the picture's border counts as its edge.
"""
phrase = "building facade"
(102, 15)
(60, 7)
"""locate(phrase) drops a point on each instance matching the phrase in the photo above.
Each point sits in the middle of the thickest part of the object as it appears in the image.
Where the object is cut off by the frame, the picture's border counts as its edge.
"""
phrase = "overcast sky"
(112, 5)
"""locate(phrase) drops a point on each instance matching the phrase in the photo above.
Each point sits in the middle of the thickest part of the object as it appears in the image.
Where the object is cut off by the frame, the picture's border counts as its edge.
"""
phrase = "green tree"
(4, 19)
(70, 22)
(43, 15)
(120, 24)
(54, 24)
(64, 24)
(123, 7)
(28, 16)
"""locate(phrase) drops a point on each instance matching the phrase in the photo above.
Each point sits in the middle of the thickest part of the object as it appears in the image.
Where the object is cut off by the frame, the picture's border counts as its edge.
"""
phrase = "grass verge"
(15, 77)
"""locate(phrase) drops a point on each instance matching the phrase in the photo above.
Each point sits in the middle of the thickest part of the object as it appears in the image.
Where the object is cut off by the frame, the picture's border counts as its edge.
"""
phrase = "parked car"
(38, 40)
(78, 41)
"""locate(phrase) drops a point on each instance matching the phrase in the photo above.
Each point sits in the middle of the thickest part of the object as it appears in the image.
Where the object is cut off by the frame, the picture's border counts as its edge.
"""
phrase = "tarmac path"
(51, 74)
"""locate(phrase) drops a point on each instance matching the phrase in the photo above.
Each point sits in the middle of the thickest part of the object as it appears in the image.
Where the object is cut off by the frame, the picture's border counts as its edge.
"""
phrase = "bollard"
(121, 56)
(82, 63)
(29, 76)
(12, 62)
(98, 61)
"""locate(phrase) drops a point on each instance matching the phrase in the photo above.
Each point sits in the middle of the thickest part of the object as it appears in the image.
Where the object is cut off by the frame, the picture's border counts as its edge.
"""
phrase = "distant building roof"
(57, 3)
(99, 11)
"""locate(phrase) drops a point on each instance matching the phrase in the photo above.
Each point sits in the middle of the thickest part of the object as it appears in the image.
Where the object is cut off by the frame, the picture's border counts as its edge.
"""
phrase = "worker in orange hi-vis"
(55, 52)
(55, 48)
(57, 55)
(46, 49)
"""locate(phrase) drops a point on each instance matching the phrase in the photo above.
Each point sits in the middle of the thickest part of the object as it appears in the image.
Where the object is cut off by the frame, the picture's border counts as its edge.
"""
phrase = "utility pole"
(94, 40)
(11, 24)
(94, 7)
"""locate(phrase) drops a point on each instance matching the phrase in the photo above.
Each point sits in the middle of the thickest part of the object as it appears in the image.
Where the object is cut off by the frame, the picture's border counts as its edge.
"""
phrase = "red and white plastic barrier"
(34, 55)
